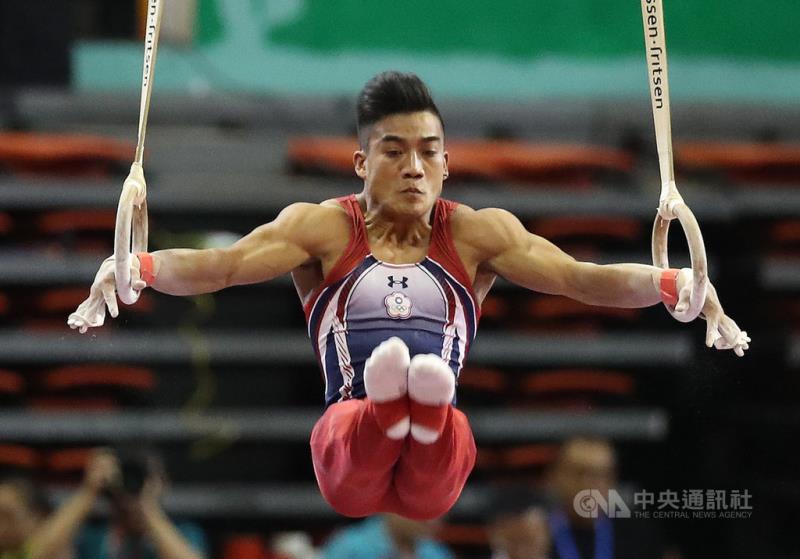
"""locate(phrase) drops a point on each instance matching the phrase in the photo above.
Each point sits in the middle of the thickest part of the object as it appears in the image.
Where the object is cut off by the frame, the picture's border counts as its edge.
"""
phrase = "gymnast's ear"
(360, 164)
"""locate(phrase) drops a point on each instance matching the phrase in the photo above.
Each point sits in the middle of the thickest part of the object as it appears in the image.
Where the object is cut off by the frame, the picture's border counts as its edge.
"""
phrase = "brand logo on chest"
(402, 282)
(398, 305)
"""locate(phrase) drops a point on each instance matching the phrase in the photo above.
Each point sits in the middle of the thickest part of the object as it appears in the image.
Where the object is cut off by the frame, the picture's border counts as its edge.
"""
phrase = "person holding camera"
(138, 527)
(28, 532)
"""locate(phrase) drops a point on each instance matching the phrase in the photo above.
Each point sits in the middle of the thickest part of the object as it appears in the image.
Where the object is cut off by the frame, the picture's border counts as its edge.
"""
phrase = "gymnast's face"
(404, 165)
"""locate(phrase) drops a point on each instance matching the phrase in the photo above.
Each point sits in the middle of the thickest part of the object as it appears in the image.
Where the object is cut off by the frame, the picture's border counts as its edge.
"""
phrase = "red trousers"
(361, 471)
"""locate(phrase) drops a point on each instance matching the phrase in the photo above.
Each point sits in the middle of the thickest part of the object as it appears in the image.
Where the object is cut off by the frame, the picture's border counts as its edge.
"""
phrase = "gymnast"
(392, 280)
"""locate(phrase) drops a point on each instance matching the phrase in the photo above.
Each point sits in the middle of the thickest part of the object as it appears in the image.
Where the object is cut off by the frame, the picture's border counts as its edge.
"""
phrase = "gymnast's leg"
(440, 453)
(356, 444)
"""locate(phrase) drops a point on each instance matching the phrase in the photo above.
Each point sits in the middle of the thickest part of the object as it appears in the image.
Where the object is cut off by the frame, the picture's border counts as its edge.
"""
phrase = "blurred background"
(547, 113)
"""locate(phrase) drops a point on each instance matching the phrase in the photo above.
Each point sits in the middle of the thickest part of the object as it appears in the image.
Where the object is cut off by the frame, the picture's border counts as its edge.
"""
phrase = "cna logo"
(589, 502)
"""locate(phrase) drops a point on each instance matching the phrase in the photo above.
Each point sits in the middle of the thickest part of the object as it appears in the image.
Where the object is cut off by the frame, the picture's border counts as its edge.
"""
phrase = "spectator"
(591, 463)
(27, 532)
(517, 524)
(138, 526)
(293, 545)
(387, 536)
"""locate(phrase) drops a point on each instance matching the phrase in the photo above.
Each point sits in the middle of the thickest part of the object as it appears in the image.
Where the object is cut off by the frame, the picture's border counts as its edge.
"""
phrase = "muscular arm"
(528, 260)
(270, 250)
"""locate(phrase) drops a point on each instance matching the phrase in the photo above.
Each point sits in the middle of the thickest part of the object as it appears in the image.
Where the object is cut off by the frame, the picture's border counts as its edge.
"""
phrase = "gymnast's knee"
(422, 507)
(351, 503)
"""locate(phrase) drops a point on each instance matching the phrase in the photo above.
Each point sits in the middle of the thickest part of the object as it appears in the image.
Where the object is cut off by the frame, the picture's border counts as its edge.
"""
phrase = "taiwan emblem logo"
(398, 305)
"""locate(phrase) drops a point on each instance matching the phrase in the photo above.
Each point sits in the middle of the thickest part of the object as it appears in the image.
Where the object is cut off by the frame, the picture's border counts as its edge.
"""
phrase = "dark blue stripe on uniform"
(442, 276)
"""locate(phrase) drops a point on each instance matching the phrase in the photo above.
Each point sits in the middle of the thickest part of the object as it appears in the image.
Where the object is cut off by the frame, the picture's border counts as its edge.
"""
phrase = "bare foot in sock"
(431, 387)
(386, 384)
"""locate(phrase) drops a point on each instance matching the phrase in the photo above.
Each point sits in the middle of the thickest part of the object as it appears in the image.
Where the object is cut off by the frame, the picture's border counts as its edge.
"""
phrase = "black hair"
(391, 93)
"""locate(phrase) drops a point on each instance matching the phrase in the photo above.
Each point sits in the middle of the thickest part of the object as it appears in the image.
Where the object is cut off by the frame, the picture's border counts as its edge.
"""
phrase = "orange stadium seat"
(741, 162)
(523, 457)
(94, 387)
(59, 300)
(483, 379)
(619, 228)
(246, 546)
(67, 460)
(100, 375)
(62, 154)
(68, 221)
(566, 381)
(463, 535)
(18, 457)
(6, 223)
(64, 404)
(549, 312)
(478, 159)
(4, 303)
(557, 307)
(12, 385)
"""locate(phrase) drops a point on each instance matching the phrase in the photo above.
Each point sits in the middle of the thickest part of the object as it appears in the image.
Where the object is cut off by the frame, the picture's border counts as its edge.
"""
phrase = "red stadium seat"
(567, 381)
(741, 162)
(60, 300)
(245, 546)
(478, 159)
(4, 303)
(68, 460)
(524, 457)
(70, 221)
(62, 154)
(6, 223)
(483, 379)
(561, 228)
(100, 375)
(18, 457)
(12, 385)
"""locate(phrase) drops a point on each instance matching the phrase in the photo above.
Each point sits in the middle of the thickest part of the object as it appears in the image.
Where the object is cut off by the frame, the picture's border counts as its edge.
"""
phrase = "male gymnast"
(391, 281)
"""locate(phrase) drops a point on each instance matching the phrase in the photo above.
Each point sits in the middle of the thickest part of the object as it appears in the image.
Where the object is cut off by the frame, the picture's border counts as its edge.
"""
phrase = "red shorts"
(361, 471)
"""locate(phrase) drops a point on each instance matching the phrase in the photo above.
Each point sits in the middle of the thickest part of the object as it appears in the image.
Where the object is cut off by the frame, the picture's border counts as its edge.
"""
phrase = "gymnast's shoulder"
(485, 226)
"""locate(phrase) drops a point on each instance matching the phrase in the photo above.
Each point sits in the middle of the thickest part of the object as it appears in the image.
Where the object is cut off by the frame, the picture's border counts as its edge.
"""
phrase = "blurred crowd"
(520, 521)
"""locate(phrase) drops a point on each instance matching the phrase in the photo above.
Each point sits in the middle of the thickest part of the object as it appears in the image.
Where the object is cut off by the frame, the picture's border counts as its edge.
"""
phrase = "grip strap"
(669, 286)
(146, 267)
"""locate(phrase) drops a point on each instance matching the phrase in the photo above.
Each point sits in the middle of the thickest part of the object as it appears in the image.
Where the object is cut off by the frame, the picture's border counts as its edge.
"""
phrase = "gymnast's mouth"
(411, 190)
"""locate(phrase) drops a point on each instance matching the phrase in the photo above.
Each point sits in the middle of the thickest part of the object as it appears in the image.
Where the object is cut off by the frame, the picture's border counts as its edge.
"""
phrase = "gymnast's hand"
(103, 293)
(721, 331)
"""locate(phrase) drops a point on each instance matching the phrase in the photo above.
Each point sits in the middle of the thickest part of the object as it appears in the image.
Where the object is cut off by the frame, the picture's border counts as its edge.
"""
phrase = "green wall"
(759, 29)
(512, 49)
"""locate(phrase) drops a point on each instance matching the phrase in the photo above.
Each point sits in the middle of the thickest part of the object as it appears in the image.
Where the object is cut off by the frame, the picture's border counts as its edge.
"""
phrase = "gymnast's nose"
(413, 167)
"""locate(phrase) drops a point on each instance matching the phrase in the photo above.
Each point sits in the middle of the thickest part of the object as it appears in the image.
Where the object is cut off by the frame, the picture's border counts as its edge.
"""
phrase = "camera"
(135, 467)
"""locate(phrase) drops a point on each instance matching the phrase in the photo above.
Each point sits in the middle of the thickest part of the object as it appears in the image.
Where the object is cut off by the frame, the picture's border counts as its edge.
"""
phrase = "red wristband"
(669, 286)
(146, 267)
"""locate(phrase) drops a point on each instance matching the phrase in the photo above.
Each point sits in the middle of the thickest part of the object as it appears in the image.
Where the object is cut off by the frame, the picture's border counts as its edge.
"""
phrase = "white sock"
(386, 379)
(386, 371)
(431, 383)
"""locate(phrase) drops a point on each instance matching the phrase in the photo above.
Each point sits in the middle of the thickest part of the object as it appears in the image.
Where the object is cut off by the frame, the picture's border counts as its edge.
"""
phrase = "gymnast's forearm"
(617, 285)
(182, 271)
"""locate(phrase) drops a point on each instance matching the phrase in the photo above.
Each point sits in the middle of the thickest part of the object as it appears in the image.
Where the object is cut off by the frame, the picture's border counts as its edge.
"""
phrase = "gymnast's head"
(401, 159)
